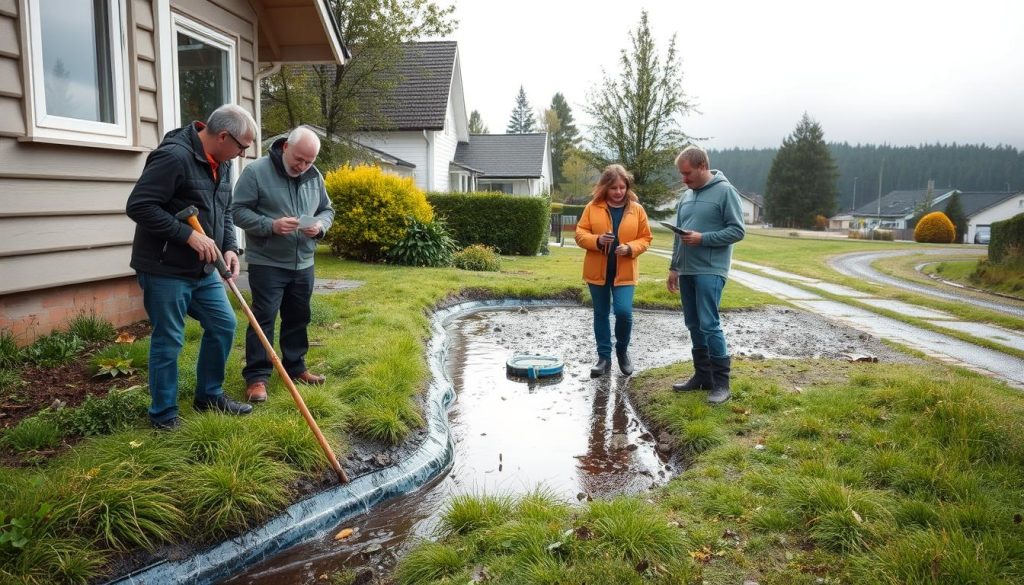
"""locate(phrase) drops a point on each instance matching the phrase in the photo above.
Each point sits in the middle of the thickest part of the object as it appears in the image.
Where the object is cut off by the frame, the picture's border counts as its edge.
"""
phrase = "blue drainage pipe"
(318, 514)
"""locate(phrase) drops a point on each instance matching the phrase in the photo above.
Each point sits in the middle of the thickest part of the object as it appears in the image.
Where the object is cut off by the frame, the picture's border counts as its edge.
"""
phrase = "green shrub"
(513, 224)
(935, 228)
(372, 211)
(10, 354)
(32, 434)
(118, 410)
(54, 349)
(424, 244)
(91, 327)
(9, 381)
(477, 257)
(1007, 239)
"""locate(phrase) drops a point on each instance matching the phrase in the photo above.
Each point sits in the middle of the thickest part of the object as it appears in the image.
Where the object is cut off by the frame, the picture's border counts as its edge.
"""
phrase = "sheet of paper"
(307, 221)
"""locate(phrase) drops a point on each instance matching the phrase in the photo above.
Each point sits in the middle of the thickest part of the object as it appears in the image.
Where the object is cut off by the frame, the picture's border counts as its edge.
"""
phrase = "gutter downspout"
(430, 161)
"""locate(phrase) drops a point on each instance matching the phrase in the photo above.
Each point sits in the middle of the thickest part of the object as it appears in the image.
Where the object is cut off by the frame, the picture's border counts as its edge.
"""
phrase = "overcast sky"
(897, 71)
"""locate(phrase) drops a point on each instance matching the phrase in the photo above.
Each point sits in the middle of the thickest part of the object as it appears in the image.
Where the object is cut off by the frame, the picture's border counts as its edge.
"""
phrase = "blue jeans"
(288, 292)
(701, 294)
(607, 299)
(167, 300)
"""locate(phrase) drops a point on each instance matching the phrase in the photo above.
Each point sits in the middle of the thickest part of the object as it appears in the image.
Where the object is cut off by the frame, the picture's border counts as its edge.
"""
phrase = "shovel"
(190, 215)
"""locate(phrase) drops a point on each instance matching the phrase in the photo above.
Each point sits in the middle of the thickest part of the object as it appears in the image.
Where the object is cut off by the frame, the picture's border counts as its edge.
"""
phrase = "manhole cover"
(533, 366)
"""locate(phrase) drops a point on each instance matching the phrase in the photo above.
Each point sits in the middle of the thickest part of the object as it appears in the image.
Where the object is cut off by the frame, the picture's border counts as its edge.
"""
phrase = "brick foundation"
(29, 315)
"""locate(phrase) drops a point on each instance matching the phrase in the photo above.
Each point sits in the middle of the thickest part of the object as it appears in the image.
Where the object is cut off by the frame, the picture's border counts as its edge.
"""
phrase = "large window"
(205, 70)
(78, 68)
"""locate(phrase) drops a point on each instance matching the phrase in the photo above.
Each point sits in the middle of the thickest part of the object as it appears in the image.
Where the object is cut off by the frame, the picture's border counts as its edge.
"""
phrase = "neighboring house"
(367, 155)
(753, 207)
(841, 222)
(87, 89)
(427, 125)
(983, 208)
(517, 164)
(897, 208)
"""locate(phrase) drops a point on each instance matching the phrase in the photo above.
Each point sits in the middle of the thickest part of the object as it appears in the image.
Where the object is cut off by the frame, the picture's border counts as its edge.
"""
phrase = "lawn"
(816, 472)
(127, 489)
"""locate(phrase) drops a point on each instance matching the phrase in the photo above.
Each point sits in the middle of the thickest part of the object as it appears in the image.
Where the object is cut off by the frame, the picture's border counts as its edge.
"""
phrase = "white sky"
(897, 71)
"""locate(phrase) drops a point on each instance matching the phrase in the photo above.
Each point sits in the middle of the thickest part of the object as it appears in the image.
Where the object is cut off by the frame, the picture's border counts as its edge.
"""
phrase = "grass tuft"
(32, 434)
(467, 513)
(634, 530)
(10, 354)
(90, 327)
(431, 562)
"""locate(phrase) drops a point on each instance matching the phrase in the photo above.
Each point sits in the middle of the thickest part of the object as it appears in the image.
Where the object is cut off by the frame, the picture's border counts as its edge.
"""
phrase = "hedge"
(513, 224)
(1007, 238)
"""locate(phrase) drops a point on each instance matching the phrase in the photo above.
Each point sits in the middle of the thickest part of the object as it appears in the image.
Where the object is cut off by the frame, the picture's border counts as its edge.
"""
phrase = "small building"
(983, 208)
(87, 90)
(897, 209)
(753, 207)
(842, 222)
(517, 164)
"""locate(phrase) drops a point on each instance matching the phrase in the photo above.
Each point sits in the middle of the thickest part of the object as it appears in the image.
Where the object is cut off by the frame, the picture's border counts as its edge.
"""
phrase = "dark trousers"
(273, 290)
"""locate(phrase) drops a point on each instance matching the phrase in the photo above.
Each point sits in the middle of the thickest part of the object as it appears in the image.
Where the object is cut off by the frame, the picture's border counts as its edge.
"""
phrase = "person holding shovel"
(613, 229)
(174, 262)
(282, 204)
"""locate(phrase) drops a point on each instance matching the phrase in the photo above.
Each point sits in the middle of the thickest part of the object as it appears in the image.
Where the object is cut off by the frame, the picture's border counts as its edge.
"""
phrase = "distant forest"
(967, 167)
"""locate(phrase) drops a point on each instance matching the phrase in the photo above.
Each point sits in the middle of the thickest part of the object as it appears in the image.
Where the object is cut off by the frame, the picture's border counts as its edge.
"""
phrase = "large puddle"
(575, 437)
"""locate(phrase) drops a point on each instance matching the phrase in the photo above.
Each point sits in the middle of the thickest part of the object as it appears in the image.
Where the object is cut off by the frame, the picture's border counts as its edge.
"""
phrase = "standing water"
(573, 436)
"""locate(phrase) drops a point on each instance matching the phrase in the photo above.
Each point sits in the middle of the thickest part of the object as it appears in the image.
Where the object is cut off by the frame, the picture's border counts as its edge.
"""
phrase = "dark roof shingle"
(420, 100)
(504, 156)
(974, 202)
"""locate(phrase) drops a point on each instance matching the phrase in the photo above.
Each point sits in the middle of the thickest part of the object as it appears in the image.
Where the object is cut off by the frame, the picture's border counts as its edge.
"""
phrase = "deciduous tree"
(637, 115)
(476, 124)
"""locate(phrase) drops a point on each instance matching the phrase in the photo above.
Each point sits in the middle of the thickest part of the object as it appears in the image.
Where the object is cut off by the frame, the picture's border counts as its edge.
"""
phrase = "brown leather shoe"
(256, 392)
(310, 378)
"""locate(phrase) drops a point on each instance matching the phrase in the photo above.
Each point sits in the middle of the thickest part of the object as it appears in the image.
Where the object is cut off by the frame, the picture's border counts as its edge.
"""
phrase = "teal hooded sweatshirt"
(715, 211)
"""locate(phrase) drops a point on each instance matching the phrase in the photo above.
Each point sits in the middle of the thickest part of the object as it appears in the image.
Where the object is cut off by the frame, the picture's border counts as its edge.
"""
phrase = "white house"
(983, 208)
(752, 204)
(428, 127)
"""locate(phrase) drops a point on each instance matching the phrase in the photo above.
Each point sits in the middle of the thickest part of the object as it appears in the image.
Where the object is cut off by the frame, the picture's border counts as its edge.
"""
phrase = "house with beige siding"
(87, 90)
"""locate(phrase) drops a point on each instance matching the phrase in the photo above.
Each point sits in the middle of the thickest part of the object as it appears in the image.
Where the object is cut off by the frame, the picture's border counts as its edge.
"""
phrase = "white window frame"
(183, 24)
(60, 127)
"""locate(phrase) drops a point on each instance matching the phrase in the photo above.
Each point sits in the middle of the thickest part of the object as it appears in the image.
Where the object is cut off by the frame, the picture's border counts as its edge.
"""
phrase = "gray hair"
(694, 155)
(234, 119)
(301, 132)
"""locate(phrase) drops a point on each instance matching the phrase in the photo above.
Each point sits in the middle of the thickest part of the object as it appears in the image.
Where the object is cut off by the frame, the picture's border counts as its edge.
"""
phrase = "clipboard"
(673, 227)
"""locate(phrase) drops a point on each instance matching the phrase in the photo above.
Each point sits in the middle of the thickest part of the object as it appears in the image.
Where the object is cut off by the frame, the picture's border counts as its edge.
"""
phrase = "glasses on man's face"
(241, 147)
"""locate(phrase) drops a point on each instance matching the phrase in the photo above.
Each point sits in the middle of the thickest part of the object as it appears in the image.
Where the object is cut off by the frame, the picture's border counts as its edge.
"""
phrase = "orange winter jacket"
(634, 231)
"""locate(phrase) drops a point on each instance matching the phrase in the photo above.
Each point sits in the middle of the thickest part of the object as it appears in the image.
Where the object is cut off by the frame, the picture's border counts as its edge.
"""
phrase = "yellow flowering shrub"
(935, 228)
(373, 210)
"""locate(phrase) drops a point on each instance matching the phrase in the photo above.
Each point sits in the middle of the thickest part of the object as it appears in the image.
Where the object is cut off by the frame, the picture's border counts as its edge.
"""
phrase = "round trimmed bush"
(373, 211)
(477, 257)
(935, 228)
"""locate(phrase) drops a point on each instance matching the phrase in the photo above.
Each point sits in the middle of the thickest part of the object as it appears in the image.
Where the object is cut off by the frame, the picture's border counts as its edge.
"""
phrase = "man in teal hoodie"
(282, 204)
(711, 217)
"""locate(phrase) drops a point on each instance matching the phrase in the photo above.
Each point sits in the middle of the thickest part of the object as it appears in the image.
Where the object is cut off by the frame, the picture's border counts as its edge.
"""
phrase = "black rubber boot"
(222, 404)
(625, 366)
(702, 378)
(720, 368)
(602, 367)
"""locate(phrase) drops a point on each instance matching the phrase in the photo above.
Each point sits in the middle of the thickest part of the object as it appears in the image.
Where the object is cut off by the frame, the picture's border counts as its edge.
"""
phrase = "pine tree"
(563, 140)
(476, 124)
(955, 213)
(637, 115)
(522, 121)
(802, 180)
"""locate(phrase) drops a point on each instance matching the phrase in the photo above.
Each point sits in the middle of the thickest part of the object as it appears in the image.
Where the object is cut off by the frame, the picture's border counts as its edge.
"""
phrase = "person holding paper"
(282, 204)
(711, 220)
(613, 229)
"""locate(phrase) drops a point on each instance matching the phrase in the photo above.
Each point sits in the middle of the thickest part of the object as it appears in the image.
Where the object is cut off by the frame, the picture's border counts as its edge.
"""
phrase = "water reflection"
(571, 436)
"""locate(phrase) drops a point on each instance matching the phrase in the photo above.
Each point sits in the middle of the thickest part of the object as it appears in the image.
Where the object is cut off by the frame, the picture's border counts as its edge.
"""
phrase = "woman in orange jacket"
(613, 230)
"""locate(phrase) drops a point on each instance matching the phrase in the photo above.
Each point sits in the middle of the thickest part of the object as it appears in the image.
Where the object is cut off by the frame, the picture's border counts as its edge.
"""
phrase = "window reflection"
(202, 78)
(77, 60)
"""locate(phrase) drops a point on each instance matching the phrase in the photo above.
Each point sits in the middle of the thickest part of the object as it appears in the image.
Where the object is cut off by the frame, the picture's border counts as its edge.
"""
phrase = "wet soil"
(575, 437)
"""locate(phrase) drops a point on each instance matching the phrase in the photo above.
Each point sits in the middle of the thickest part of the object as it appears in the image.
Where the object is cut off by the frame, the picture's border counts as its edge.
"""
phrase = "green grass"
(90, 327)
(32, 434)
(10, 354)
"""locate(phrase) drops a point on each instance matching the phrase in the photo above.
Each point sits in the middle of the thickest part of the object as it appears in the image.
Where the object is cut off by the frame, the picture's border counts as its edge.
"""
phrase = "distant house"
(517, 164)
(897, 208)
(753, 207)
(426, 124)
(87, 90)
(983, 208)
(841, 222)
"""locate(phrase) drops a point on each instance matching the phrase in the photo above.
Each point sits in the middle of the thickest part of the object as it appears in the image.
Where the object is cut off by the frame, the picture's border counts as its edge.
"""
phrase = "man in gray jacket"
(711, 217)
(281, 203)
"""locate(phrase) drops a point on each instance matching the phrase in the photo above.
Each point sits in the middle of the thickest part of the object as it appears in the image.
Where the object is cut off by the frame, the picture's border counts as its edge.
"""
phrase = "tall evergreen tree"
(521, 121)
(802, 180)
(563, 140)
(955, 213)
(476, 124)
(637, 115)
